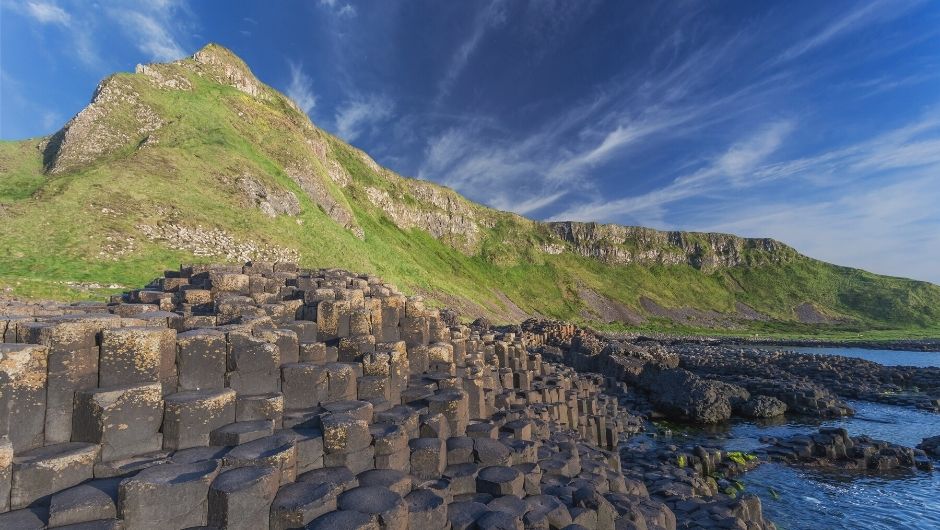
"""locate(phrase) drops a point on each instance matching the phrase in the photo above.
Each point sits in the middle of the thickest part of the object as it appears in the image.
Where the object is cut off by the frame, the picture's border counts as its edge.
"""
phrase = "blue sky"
(816, 123)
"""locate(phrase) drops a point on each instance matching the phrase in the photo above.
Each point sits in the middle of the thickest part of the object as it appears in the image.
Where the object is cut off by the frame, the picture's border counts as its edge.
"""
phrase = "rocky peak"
(228, 69)
(94, 132)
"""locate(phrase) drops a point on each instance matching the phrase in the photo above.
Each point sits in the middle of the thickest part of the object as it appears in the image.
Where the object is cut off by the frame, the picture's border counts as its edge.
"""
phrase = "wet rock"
(931, 446)
(834, 448)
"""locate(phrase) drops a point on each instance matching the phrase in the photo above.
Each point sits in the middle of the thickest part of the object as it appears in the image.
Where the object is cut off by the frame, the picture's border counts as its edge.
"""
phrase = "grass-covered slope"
(199, 161)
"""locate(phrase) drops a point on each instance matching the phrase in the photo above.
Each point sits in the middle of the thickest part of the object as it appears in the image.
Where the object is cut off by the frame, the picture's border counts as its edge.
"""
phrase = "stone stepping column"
(40, 472)
(72, 365)
(383, 505)
(167, 496)
(309, 447)
(302, 385)
(189, 417)
(268, 406)
(23, 394)
(105, 416)
(241, 432)
(277, 451)
(454, 406)
(201, 359)
(240, 499)
(500, 480)
(135, 355)
(396, 481)
(92, 501)
(300, 503)
(6, 473)
(253, 365)
(426, 509)
(391, 447)
(428, 457)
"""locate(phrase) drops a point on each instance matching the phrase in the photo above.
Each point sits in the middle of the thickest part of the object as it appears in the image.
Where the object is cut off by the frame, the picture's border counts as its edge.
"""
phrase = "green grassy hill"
(197, 160)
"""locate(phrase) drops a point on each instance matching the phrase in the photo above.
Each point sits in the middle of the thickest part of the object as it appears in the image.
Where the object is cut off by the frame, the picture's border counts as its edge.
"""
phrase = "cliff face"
(439, 212)
(622, 245)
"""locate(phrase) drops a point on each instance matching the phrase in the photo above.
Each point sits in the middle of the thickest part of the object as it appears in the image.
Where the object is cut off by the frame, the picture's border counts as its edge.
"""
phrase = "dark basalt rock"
(266, 395)
(931, 446)
(763, 407)
(686, 396)
(833, 447)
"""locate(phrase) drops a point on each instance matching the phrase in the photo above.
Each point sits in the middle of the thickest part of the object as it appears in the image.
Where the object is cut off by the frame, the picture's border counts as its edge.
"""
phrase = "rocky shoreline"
(777, 372)
(703, 383)
(923, 345)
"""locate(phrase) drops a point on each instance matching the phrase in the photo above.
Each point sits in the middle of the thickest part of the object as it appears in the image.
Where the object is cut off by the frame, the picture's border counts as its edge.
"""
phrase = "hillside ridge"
(197, 158)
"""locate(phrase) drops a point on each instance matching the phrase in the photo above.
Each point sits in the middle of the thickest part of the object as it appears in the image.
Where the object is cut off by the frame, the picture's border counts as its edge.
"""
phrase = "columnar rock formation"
(266, 396)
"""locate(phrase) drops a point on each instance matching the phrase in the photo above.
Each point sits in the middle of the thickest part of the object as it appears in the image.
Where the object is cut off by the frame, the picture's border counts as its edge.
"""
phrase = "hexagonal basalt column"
(136, 355)
(240, 499)
(23, 394)
(41, 472)
(384, 506)
(304, 385)
(6, 473)
(253, 365)
(72, 365)
(167, 496)
(125, 420)
(200, 358)
(296, 505)
(278, 451)
(190, 416)
(453, 405)
(500, 480)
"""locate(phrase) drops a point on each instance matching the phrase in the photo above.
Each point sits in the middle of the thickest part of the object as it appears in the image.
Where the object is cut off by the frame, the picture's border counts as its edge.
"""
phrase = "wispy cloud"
(154, 28)
(490, 16)
(342, 9)
(533, 204)
(159, 29)
(844, 23)
(46, 13)
(358, 115)
(300, 88)
(51, 119)
(726, 170)
(76, 27)
(151, 33)
(525, 174)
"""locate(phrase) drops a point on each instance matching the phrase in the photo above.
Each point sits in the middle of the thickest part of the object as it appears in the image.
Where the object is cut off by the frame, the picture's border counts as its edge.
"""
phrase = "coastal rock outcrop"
(833, 447)
(276, 397)
(683, 395)
(813, 384)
